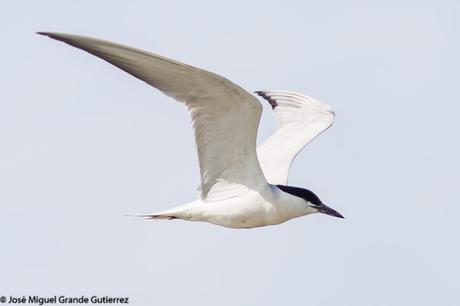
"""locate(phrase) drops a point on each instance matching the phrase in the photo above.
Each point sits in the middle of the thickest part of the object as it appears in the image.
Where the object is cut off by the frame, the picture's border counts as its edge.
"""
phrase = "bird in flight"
(242, 185)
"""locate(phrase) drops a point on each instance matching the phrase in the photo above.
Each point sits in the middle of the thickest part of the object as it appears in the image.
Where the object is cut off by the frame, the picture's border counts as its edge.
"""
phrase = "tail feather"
(158, 217)
(178, 212)
(154, 217)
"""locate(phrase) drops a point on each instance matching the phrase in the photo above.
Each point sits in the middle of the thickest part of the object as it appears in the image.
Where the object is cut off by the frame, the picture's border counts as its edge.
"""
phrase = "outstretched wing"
(225, 117)
(300, 119)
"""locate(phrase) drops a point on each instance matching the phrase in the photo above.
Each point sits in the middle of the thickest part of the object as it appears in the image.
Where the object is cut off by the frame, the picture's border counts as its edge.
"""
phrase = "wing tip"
(276, 97)
(264, 95)
(50, 35)
(67, 38)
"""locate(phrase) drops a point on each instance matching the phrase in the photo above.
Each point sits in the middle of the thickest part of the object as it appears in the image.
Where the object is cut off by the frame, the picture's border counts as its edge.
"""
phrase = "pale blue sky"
(82, 144)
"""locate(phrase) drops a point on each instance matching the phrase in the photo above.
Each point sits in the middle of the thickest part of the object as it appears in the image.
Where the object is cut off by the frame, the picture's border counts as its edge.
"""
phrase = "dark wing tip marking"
(52, 35)
(45, 34)
(270, 100)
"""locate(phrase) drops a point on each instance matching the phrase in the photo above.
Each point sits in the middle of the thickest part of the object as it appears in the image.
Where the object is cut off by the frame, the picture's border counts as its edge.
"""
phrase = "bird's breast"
(253, 209)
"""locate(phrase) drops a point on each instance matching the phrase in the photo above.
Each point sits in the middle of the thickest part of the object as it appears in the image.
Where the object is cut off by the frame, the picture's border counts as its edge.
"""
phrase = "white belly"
(246, 211)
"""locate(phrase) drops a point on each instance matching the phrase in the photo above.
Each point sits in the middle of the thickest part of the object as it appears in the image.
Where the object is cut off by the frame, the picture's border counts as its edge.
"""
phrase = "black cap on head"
(309, 196)
(303, 193)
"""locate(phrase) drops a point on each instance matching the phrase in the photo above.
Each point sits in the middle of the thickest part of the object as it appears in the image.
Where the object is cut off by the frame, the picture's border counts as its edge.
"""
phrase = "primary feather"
(216, 106)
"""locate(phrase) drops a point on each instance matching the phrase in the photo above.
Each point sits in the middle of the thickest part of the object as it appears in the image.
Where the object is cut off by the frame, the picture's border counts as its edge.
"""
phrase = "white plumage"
(300, 119)
(236, 191)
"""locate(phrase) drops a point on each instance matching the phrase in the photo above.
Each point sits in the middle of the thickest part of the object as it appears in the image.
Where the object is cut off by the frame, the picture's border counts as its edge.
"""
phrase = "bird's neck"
(291, 206)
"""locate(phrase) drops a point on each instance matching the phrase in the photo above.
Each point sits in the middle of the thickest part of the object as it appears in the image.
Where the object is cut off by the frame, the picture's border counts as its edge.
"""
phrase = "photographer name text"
(62, 299)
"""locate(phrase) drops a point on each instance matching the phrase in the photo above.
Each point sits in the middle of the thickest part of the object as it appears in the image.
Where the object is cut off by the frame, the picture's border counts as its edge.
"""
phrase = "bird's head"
(312, 200)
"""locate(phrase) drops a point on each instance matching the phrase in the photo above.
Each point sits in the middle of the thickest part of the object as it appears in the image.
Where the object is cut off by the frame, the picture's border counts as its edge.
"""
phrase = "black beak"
(328, 211)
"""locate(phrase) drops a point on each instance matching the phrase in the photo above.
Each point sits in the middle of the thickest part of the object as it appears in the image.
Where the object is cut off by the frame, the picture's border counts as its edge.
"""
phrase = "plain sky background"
(83, 143)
